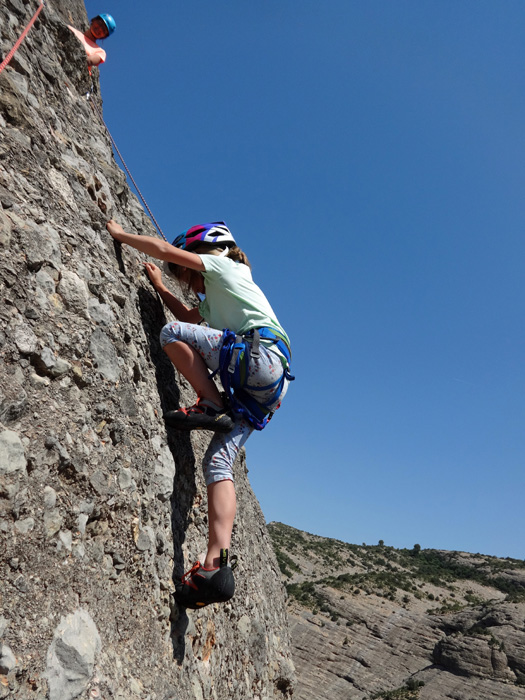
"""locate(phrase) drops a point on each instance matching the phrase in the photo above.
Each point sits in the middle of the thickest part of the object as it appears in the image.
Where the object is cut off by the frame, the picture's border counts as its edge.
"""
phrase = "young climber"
(207, 260)
(100, 27)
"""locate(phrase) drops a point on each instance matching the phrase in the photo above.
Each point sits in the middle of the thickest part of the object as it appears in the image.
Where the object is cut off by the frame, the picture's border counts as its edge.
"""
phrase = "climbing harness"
(236, 352)
(21, 37)
(96, 110)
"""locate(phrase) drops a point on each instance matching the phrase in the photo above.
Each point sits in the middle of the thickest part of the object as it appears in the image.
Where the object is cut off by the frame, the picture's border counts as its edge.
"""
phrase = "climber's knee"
(170, 334)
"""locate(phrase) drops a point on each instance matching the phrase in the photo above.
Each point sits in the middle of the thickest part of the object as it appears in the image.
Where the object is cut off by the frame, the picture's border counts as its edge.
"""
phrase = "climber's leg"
(213, 581)
(194, 350)
(221, 513)
(218, 472)
(193, 368)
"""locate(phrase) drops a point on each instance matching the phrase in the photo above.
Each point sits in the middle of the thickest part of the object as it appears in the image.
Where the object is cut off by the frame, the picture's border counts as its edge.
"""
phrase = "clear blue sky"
(370, 159)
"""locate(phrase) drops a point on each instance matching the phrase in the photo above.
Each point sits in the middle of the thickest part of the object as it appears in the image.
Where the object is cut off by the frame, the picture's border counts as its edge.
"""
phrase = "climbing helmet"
(216, 233)
(108, 21)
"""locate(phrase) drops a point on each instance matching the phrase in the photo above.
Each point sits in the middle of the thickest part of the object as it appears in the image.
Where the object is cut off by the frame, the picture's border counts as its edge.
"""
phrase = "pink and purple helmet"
(216, 233)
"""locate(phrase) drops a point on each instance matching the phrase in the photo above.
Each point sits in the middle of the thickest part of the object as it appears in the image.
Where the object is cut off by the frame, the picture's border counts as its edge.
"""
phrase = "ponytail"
(177, 271)
(235, 253)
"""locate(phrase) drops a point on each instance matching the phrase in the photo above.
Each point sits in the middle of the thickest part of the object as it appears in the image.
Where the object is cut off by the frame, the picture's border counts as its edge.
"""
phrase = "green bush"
(403, 693)
(390, 570)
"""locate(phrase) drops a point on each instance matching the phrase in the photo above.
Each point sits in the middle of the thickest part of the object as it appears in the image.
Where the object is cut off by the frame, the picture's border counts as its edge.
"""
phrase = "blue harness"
(234, 360)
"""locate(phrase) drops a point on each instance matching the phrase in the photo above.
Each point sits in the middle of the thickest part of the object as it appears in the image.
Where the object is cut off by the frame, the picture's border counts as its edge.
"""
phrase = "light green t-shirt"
(233, 300)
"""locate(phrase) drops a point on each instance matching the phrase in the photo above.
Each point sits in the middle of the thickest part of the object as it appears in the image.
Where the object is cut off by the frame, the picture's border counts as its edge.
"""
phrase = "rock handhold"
(46, 362)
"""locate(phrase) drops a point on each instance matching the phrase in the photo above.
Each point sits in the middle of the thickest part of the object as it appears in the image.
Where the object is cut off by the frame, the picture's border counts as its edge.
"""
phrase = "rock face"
(99, 506)
(374, 622)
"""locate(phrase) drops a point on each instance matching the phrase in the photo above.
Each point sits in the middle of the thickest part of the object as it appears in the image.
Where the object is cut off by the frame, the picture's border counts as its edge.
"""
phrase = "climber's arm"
(94, 59)
(155, 247)
(177, 308)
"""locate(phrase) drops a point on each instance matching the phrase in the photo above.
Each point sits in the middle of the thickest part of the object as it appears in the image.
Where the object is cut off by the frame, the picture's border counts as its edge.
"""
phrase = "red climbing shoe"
(200, 586)
(201, 416)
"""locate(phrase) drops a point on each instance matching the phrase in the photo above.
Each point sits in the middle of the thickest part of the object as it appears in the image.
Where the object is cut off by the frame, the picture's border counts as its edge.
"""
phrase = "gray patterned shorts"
(224, 448)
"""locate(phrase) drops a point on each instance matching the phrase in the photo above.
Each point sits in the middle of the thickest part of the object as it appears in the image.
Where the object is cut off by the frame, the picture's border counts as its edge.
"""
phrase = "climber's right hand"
(115, 229)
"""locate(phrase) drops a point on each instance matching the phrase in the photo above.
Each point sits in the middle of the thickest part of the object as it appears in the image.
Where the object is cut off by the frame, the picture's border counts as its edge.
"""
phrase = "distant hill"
(371, 622)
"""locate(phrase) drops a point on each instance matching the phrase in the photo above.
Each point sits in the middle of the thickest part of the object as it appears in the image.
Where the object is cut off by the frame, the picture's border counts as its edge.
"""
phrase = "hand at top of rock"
(114, 229)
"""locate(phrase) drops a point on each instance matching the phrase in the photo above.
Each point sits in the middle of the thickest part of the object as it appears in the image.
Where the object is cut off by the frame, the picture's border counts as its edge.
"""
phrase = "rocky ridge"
(370, 622)
(99, 506)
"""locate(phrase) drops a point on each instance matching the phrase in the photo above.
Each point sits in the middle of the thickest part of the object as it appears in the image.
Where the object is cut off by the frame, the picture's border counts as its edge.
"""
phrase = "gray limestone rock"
(5, 230)
(125, 478)
(52, 522)
(47, 362)
(24, 337)
(50, 498)
(45, 282)
(472, 656)
(74, 292)
(12, 455)
(24, 526)
(66, 539)
(145, 539)
(101, 313)
(17, 83)
(105, 355)
(13, 402)
(164, 471)
(62, 189)
(102, 483)
(41, 244)
(7, 659)
(127, 401)
(3, 626)
(71, 656)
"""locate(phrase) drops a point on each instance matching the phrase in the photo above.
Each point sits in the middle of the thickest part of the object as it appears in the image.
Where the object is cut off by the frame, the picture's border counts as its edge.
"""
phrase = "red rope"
(95, 109)
(21, 38)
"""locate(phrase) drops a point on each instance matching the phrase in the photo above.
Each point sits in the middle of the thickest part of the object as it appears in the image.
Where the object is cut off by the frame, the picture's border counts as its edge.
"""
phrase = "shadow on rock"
(179, 627)
(118, 255)
(179, 443)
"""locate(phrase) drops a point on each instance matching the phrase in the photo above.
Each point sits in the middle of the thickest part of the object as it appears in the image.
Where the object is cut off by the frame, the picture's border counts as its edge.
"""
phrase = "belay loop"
(234, 361)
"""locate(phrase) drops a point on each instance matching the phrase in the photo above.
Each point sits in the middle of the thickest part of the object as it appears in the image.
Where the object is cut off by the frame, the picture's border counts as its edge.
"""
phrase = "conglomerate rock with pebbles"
(100, 506)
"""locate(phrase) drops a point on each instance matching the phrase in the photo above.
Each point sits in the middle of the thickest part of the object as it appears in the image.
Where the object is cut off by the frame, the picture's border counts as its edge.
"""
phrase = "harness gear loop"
(21, 37)
(99, 114)
(255, 344)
